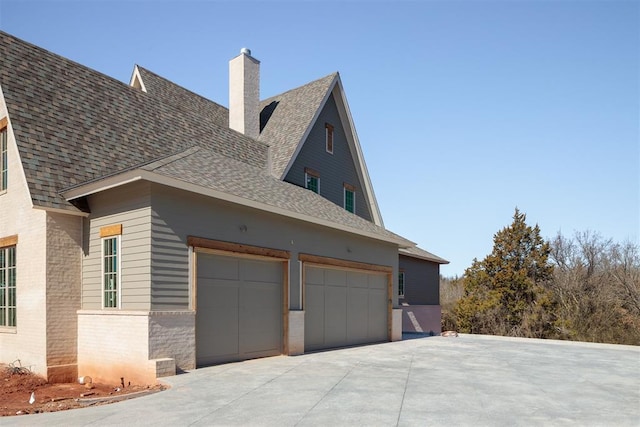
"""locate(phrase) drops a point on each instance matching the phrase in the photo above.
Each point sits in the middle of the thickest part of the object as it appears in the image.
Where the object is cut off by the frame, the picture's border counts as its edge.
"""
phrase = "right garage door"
(344, 307)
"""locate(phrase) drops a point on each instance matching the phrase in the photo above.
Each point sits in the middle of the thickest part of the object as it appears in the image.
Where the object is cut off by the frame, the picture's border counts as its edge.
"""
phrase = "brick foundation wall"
(296, 332)
(172, 334)
(138, 346)
(114, 345)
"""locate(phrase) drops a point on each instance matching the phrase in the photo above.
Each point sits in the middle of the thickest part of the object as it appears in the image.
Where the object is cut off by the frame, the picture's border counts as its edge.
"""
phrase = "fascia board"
(139, 174)
(354, 144)
(62, 211)
(102, 184)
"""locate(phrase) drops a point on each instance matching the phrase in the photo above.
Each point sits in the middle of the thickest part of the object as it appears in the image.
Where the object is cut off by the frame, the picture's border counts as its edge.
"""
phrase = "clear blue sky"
(464, 109)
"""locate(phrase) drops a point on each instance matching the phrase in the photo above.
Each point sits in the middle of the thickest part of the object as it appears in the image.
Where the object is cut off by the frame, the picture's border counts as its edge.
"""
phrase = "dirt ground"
(17, 385)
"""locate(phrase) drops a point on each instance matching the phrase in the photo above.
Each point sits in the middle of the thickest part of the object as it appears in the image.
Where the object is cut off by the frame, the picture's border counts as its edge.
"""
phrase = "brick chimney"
(244, 94)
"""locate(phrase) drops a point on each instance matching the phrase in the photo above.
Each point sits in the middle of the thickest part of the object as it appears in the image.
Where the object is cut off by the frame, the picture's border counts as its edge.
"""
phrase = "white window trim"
(327, 127)
(404, 284)
(10, 328)
(4, 185)
(344, 199)
(118, 238)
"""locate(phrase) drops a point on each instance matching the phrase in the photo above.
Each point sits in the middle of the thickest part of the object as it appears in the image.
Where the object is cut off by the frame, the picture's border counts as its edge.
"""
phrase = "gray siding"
(422, 281)
(335, 169)
(177, 214)
(130, 206)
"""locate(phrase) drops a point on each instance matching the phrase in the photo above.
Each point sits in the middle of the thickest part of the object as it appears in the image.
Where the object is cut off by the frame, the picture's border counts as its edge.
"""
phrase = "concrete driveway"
(469, 380)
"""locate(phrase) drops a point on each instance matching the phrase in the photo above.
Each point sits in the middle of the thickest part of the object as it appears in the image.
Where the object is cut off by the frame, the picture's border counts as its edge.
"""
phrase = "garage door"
(239, 308)
(344, 307)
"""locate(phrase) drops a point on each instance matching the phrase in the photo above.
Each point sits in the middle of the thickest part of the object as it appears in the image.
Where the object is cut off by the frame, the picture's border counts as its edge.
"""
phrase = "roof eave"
(435, 259)
(140, 174)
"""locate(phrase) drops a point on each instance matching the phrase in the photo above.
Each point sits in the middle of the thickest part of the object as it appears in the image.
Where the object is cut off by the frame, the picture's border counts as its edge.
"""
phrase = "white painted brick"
(172, 334)
(396, 325)
(27, 342)
(64, 235)
(114, 345)
(296, 332)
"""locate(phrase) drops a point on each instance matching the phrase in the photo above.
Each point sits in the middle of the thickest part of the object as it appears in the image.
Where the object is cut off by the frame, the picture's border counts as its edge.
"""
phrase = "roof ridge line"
(335, 73)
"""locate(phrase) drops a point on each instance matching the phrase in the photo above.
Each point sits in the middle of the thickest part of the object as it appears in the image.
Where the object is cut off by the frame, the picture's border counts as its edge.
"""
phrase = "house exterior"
(145, 229)
(419, 290)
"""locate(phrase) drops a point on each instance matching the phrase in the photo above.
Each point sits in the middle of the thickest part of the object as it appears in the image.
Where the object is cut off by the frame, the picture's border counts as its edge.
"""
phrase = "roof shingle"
(74, 124)
(285, 118)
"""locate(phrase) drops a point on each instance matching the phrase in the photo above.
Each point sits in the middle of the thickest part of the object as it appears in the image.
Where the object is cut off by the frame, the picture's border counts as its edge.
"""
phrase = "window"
(111, 265)
(312, 180)
(329, 137)
(8, 286)
(350, 198)
(401, 284)
(4, 158)
(110, 271)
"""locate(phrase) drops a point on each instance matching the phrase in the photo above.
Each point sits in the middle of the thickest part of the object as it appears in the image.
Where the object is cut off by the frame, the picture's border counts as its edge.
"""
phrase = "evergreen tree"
(505, 293)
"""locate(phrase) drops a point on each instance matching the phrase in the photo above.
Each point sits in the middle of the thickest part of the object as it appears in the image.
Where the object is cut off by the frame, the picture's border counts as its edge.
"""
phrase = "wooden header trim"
(349, 186)
(342, 263)
(111, 230)
(200, 242)
(8, 241)
(312, 172)
(3, 123)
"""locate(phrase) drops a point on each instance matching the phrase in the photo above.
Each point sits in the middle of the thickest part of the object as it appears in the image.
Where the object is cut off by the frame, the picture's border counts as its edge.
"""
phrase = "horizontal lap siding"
(335, 169)
(170, 260)
(129, 206)
(421, 281)
(179, 214)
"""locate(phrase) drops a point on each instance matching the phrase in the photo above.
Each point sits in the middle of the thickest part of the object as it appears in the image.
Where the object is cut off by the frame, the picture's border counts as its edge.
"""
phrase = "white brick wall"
(27, 341)
(132, 344)
(64, 240)
(396, 324)
(296, 332)
(114, 345)
(173, 334)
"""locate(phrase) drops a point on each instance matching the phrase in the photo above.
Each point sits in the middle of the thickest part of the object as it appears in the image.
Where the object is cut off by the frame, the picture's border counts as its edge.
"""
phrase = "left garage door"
(238, 308)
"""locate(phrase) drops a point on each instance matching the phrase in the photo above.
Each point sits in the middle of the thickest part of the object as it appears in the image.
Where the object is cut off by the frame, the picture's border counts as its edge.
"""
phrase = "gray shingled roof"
(73, 124)
(285, 118)
(183, 99)
(211, 170)
(416, 252)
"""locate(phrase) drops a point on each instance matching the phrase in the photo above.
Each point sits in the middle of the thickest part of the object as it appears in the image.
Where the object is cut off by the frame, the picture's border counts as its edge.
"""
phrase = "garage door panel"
(314, 316)
(358, 304)
(218, 267)
(257, 317)
(216, 329)
(335, 319)
(357, 280)
(261, 271)
(378, 315)
(237, 318)
(335, 278)
(348, 307)
(378, 281)
(314, 276)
